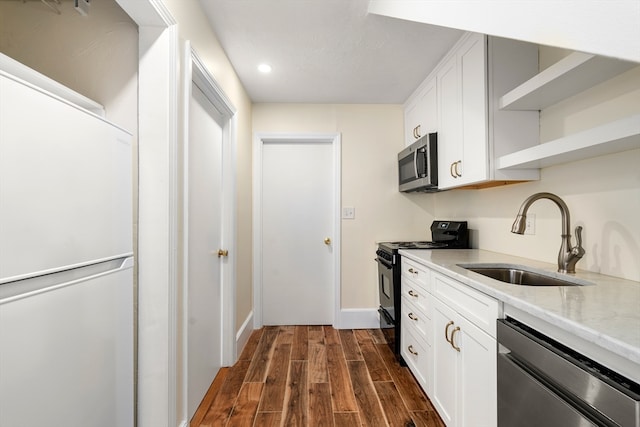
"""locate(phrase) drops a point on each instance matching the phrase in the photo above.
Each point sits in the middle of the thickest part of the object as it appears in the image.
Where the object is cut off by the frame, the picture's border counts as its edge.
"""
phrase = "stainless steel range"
(445, 235)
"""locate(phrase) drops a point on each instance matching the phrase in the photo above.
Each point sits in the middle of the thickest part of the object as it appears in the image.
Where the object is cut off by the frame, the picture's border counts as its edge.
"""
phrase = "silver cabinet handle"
(413, 294)
(412, 316)
(412, 351)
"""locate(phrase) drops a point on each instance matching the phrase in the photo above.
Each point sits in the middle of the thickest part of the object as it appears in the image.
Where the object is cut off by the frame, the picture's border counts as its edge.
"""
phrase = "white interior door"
(204, 237)
(297, 216)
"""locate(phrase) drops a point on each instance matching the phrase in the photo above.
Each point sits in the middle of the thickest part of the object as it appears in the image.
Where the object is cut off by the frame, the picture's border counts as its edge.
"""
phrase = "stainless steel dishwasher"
(543, 383)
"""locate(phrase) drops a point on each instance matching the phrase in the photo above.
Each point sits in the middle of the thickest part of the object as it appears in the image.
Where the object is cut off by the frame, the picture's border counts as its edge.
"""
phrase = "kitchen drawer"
(418, 354)
(419, 320)
(416, 294)
(477, 307)
(416, 272)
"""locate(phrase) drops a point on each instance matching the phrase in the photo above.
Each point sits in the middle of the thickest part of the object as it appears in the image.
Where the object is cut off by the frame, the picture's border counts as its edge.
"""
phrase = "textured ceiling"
(325, 51)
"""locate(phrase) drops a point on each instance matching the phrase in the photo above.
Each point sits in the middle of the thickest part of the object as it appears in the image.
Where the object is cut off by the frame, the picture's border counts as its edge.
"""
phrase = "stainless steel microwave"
(418, 165)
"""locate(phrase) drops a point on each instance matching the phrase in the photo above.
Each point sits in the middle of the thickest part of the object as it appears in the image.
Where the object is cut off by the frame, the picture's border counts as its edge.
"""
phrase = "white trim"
(359, 318)
(157, 214)
(148, 13)
(195, 71)
(242, 337)
(258, 142)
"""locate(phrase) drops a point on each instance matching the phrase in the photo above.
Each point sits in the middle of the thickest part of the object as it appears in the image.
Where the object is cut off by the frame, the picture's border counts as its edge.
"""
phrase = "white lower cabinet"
(464, 382)
(418, 353)
(417, 329)
(448, 341)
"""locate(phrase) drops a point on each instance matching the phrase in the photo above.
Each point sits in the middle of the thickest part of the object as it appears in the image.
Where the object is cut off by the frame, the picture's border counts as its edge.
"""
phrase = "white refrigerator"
(66, 263)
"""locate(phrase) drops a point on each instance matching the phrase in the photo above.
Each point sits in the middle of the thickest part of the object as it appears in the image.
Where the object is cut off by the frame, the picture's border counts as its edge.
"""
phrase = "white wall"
(371, 140)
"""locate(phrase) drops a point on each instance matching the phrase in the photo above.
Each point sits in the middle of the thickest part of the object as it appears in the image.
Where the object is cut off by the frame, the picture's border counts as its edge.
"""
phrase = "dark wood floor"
(315, 376)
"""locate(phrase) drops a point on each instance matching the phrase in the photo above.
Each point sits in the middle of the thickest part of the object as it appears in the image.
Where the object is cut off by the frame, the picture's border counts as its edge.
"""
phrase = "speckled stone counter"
(606, 313)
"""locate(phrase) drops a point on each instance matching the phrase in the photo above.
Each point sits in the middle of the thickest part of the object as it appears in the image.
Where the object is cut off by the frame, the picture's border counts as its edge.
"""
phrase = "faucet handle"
(578, 250)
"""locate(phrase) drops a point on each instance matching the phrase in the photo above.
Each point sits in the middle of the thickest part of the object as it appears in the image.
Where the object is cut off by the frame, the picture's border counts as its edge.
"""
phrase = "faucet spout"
(568, 255)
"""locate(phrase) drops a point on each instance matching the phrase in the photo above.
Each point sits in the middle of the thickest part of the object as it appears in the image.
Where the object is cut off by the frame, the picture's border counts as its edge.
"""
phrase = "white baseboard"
(243, 334)
(184, 424)
(358, 318)
(349, 318)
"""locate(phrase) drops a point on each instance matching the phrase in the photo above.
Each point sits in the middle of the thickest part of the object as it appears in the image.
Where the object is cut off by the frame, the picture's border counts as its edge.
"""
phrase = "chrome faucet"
(568, 256)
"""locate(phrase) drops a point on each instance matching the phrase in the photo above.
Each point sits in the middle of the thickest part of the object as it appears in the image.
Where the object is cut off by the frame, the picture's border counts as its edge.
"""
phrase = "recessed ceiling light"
(264, 68)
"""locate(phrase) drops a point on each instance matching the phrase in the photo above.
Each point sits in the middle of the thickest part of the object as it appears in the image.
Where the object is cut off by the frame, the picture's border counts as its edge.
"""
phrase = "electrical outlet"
(530, 224)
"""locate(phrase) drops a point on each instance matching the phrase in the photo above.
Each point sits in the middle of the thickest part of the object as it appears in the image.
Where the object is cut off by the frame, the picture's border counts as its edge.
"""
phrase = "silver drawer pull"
(412, 316)
(412, 351)
(413, 294)
(411, 271)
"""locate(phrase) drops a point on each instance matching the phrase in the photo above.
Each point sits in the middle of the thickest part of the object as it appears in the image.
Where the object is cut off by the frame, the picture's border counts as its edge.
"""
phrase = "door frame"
(196, 72)
(258, 142)
(157, 261)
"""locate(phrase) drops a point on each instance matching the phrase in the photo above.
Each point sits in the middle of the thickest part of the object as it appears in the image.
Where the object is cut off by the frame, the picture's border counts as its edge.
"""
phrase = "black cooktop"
(413, 245)
(445, 235)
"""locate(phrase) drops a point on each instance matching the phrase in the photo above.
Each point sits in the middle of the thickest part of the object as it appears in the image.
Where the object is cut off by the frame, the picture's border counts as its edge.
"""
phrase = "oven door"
(387, 310)
(385, 287)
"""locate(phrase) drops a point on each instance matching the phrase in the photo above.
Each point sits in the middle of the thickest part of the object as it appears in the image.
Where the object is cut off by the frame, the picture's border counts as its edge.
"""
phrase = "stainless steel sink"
(520, 275)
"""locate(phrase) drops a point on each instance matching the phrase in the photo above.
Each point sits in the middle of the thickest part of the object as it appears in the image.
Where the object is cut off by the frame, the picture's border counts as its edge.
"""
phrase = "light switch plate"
(348, 213)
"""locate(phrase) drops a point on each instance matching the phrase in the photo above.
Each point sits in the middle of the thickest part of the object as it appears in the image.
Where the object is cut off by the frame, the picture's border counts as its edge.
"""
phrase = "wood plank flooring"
(315, 376)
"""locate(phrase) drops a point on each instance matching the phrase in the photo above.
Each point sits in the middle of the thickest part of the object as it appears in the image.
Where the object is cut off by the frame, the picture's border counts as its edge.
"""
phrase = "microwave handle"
(415, 164)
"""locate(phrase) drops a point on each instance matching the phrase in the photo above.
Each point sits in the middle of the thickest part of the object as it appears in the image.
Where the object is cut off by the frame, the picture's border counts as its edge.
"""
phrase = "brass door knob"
(327, 241)
(222, 252)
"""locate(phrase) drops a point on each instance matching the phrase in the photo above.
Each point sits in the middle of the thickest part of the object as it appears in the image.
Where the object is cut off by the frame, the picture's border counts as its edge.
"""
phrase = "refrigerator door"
(66, 349)
(65, 184)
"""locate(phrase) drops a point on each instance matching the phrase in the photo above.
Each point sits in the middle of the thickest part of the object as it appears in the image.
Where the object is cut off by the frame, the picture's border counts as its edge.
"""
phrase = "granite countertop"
(606, 313)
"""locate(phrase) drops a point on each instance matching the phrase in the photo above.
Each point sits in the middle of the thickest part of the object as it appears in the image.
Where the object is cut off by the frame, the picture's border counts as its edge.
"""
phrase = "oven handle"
(384, 263)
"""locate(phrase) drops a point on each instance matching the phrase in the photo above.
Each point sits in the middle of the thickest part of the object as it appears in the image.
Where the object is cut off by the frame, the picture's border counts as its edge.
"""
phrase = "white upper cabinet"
(462, 144)
(421, 113)
(472, 130)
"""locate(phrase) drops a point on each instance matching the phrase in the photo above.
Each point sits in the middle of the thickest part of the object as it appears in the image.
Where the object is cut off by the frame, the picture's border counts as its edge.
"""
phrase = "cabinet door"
(477, 388)
(471, 62)
(429, 103)
(464, 375)
(421, 116)
(445, 359)
(411, 122)
(449, 134)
